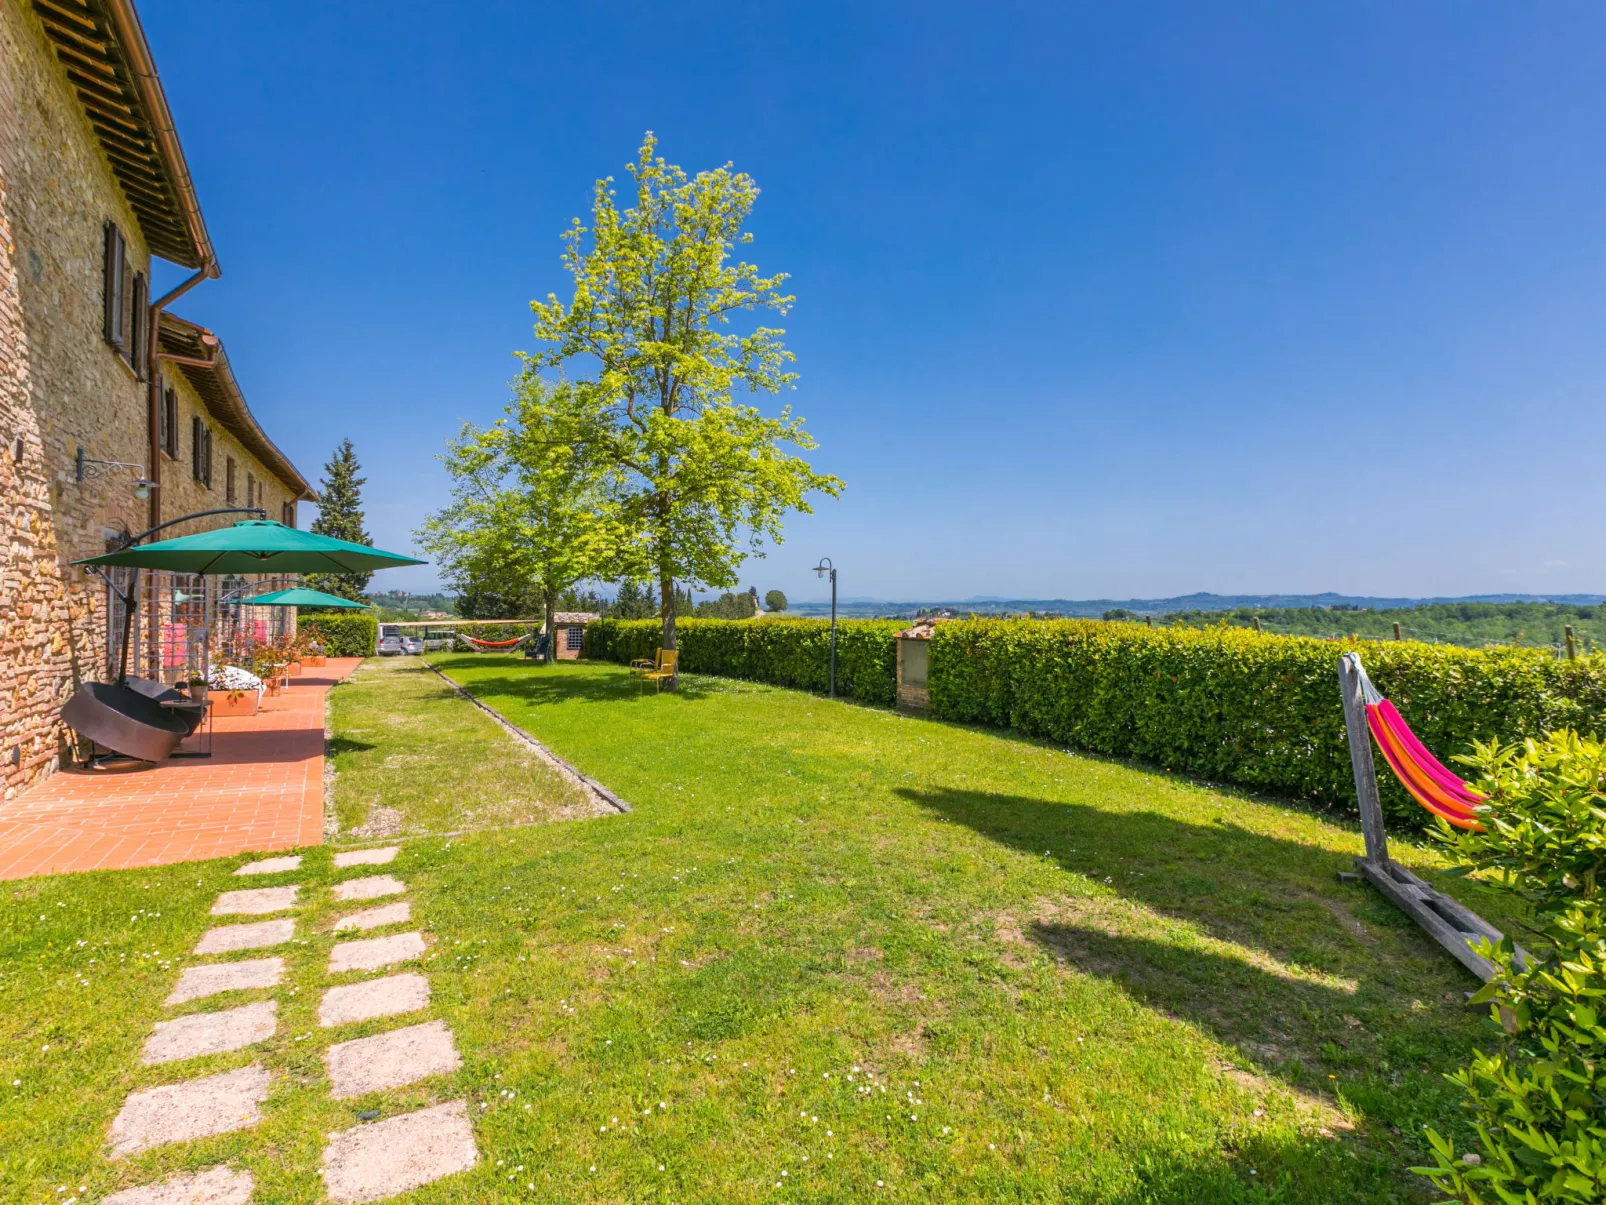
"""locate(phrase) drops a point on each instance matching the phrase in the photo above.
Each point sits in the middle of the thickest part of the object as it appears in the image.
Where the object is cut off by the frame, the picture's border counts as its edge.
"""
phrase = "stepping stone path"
(229, 938)
(365, 1163)
(387, 997)
(215, 1186)
(255, 903)
(390, 1060)
(371, 888)
(199, 982)
(365, 857)
(271, 866)
(193, 1109)
(374, 952)
(392, 1156)
(211, 1033)
(376, 918)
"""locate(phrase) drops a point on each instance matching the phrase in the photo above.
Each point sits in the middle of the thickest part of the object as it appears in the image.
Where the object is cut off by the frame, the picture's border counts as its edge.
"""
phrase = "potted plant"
(197, 687)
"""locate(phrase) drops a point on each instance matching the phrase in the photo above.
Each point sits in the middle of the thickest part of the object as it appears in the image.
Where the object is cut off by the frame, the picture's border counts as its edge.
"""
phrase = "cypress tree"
(340, 516)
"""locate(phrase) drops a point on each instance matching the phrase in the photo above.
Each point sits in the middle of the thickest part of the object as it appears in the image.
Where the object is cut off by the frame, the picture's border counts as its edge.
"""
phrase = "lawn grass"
(410, 756)
(1050, 978)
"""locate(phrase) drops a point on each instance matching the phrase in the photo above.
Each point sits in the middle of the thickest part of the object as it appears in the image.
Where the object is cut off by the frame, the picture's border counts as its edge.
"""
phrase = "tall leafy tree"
(700, 478)
(528, 514)
(340, 516)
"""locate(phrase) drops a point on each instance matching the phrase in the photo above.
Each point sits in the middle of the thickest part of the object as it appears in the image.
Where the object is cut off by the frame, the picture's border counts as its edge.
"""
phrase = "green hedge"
(342, 635)
(782, 652)
(1260, 711)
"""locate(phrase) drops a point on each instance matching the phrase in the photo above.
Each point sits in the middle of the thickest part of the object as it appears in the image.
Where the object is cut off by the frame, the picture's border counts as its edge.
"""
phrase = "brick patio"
(261, 790)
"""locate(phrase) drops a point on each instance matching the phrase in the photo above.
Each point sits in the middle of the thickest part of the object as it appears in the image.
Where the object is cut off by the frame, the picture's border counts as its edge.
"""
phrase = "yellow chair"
(641, 665)
(664, 672)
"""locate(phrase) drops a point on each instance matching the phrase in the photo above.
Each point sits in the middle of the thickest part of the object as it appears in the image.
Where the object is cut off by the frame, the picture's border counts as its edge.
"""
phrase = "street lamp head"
(824, 566)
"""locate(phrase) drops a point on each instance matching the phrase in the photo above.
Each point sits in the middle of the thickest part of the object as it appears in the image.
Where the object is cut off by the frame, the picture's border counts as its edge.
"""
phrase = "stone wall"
(62, 387)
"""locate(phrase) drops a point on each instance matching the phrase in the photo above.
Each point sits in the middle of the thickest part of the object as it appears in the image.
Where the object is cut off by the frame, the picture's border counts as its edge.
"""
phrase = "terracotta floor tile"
(262, 790)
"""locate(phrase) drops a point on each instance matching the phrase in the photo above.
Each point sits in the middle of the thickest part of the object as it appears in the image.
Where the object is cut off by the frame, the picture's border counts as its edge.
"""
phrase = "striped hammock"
(1423, 775)
(492, 644)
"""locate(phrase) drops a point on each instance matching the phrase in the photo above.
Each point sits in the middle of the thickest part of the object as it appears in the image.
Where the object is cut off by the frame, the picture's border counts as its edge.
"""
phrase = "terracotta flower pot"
(234, 703)
(295, 669)
(314, 662)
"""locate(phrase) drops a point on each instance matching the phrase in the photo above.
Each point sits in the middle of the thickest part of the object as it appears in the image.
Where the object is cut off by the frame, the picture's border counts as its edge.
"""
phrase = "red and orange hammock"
(493, 644)
(1419, 772)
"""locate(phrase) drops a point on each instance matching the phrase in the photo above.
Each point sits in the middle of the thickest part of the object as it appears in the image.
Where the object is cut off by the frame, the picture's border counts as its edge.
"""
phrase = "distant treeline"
(1470, 625)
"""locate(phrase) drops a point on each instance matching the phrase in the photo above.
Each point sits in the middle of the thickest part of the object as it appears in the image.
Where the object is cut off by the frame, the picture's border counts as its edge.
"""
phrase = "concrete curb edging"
(540, 750)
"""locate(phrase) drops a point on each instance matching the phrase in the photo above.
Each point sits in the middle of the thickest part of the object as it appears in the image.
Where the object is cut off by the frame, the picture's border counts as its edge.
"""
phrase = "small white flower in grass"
(878, 1184)
(660, 1167)
(991, 1147)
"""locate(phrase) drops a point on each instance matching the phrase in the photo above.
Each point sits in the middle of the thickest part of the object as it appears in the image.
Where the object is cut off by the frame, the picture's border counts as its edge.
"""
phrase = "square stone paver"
(365, 857)
(227, 938)
(196, 1108)
(255, 902)
(374, 952)
(271, 865)
(398, 913)
(389, 1060)
(219, 1185)
(216, 977)
(370, 888)
(400, 1153)
(210, 1033)
(374, 998)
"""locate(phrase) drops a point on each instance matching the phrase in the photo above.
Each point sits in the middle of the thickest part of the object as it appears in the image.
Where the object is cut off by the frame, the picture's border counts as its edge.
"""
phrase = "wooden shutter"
(195, 446)
(115, 284)
(139, 304)
(208, 463)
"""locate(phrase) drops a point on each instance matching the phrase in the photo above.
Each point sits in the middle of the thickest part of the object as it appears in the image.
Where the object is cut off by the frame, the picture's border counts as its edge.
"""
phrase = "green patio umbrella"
(253, 546)
(302, 596)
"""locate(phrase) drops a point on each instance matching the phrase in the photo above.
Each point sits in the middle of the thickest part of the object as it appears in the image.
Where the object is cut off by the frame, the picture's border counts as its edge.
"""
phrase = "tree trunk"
(551, 605)
(666, 596)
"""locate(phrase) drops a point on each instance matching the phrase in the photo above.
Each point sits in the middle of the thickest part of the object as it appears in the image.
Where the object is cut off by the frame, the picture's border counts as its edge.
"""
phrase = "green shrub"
(1539, 1099)
(1231, 705)
(782, 652)
(341, 635)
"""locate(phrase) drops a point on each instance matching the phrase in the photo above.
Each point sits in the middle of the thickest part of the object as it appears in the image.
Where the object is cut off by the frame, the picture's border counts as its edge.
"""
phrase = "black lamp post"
(823, 568)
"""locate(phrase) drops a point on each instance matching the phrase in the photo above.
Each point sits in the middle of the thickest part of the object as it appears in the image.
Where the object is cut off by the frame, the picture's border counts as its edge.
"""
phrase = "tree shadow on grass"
(1304, 1032)
(1276, 894)
(538, 688)
(345, 744)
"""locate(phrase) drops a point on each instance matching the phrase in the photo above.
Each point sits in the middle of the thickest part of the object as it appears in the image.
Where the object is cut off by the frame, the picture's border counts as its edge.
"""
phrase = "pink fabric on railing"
(175, 645)
(1430, 765)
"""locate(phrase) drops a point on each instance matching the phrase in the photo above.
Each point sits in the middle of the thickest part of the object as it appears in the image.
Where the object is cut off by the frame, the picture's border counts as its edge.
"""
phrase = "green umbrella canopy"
(254, 546)
(301, 596)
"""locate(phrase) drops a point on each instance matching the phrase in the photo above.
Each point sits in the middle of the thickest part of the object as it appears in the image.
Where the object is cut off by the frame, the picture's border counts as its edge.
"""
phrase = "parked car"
(391, 646)
(412, 645)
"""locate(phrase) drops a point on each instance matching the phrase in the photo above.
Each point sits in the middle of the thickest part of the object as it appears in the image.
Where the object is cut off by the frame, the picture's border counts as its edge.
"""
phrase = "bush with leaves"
(1539, 1099)
(340, 635)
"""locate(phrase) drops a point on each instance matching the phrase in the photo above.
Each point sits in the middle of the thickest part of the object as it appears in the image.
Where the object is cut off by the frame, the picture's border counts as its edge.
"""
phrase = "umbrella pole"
(130, 607)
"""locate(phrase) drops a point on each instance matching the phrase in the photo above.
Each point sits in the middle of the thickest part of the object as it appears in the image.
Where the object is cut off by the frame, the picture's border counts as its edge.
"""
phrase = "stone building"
(115, 415)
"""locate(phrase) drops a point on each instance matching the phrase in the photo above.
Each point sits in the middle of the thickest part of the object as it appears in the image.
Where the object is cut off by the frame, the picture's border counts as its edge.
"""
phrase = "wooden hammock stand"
(1450, 923)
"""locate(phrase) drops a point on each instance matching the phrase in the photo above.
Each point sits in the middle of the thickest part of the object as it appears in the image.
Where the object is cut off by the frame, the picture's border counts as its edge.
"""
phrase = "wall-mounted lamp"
(88, 468)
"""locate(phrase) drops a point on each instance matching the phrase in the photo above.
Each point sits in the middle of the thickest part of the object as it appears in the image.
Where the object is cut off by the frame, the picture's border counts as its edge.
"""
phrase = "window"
(167, 419)
(115, 289)
(139, 307)
(287, 513)
(574, 638)
(228, 480)
(250, 490)
(201, 451)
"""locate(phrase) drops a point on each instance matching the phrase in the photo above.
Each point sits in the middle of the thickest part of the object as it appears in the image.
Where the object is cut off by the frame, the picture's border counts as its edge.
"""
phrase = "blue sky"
(1093, 300)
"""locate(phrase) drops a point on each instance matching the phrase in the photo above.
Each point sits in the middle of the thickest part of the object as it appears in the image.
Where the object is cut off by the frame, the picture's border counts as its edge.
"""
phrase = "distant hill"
(1156, 607)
